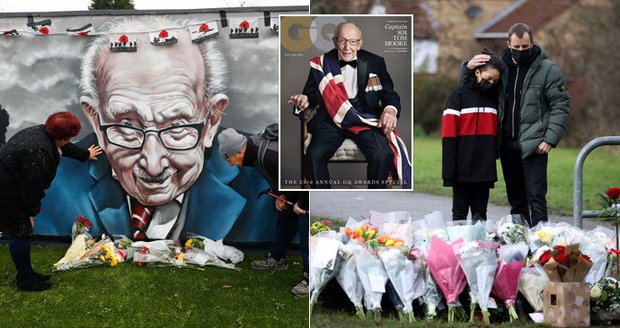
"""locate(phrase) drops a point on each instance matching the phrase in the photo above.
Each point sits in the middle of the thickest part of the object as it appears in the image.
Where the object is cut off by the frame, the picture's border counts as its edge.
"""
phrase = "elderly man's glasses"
(176, 137)
(351, 42)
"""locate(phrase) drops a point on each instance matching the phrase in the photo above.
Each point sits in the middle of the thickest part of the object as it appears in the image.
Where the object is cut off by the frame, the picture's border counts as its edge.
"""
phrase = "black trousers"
(526, 182)
(326, 138)
(466, 196)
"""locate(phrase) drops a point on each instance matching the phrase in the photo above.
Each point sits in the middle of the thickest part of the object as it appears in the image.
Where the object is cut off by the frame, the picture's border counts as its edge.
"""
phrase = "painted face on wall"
(348, 42)
(154, 119)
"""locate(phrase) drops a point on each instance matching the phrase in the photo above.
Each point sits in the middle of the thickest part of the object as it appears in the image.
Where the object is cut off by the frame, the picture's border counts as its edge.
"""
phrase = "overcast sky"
(65, 5)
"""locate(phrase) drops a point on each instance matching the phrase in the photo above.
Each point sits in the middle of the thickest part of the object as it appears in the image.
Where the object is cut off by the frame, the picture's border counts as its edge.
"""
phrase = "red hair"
(62, 125)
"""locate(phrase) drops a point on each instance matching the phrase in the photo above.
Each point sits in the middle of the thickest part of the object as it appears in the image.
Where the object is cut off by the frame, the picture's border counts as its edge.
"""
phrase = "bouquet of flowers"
(156, 253)
(372, 274)
(506, 283)
(200, 250)
(402, 273)
(80, 226)
(479, 261)
(597, 253)
(531, 284)
(565, 263)
(84, 252)
(613, 265)
(605, 300)
(449, 276)
(467, 232)
(327, 258)
(362, 233)
(320, 226)
(510, 233)
(349, 281)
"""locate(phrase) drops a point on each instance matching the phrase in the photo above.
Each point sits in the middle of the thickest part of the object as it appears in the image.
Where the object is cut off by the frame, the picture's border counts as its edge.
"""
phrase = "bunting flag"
(123, 43)
(202, 31)
(10, 33)
(163, 37)
(241, 28)
(85, 30)
(42, 26)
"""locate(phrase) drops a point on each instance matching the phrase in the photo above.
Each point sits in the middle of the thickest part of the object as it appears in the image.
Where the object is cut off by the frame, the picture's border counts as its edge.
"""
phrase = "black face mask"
(485, 85)
(521, 56)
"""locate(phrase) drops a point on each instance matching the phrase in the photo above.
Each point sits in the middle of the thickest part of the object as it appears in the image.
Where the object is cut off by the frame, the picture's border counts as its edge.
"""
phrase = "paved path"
(357, 204)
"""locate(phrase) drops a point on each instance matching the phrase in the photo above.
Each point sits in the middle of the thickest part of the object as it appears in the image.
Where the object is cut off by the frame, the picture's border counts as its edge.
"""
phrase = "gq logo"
(300, 33)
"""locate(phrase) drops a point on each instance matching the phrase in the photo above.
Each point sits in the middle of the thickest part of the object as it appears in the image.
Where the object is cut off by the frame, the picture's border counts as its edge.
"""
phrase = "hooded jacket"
(544, 102)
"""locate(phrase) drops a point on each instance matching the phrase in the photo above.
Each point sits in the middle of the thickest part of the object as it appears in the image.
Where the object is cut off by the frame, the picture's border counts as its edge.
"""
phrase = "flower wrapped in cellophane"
(202, 251)
(479, 260)
(372, 274)
(81, 226)
(85, 252)
(448, 274)
(156, 253)
(531, 283)
(597, 252)
(402, 273)
(468, 233)
(327, 255)
(506, 284)
(510, 232)
(349, 281)
(605, 301)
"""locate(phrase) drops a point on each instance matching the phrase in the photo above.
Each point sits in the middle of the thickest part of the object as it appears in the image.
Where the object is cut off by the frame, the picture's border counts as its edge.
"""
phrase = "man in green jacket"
(533, 112)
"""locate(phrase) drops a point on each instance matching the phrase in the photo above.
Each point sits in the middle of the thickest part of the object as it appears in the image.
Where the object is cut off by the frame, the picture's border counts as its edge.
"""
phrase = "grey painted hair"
(216, 80)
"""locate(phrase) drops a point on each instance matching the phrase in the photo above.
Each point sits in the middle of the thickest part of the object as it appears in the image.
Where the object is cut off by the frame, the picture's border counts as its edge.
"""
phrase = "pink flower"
(326, 222)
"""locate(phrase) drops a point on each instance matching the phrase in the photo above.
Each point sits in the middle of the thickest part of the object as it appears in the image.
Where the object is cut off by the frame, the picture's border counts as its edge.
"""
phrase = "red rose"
(561, 258)
(44, 30)
(613, 193)
(123, 39)
(545, 257)
(204, 28)
(244, 25)
(84, 221)
(163, 34)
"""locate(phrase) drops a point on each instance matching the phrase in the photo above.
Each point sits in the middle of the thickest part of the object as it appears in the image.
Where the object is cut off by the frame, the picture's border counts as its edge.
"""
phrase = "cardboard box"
(566, 304)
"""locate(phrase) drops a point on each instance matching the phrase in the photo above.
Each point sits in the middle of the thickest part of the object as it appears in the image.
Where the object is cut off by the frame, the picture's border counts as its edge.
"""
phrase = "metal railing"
(578, 212)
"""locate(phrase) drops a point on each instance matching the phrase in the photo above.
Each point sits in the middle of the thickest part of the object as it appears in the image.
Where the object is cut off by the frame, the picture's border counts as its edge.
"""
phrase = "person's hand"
(543, 148)
(32, 221)
(299, 100)
(387, 121)
(299, 210)
(94, 152)
(280, 204)
(478, 60)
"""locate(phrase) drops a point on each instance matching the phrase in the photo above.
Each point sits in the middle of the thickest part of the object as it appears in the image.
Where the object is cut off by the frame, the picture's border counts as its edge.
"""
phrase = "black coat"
(371, 102)
(28, 165)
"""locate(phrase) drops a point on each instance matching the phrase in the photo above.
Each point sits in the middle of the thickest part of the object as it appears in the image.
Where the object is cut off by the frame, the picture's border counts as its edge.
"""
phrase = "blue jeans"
(288, 225)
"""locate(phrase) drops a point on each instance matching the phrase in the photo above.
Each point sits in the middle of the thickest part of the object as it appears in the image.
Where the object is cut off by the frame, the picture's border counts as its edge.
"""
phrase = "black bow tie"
(352, 63)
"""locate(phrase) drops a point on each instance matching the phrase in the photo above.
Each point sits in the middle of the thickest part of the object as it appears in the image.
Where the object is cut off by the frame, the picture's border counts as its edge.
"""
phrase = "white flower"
(595, 292)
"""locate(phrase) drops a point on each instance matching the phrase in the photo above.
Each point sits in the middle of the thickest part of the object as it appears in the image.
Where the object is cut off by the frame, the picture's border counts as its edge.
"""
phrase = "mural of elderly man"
(155, 113)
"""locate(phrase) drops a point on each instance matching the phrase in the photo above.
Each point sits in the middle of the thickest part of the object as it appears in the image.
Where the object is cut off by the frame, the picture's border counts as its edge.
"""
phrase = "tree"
(111, 4)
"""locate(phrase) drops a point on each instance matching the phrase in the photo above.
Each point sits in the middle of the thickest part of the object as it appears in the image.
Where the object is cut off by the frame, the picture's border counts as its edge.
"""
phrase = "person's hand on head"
(94, 152)
(299, 100)
(387, 121)
(543, 148)
(477, 60)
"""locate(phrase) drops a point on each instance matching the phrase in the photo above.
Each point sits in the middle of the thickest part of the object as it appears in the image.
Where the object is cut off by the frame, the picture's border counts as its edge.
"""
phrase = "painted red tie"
(140, 219)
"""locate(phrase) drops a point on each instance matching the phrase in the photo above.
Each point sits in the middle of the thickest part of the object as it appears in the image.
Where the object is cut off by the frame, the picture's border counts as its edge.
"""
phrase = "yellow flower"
(544, 235)
(189, 243)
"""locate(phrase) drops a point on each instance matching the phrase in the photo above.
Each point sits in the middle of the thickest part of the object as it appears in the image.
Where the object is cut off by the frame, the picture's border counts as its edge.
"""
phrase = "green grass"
(601, 170)
(127, 295)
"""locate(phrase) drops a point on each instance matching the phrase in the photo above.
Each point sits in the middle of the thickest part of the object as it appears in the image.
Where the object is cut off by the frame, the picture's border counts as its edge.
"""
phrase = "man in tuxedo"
(155, 113)
(369, 90)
